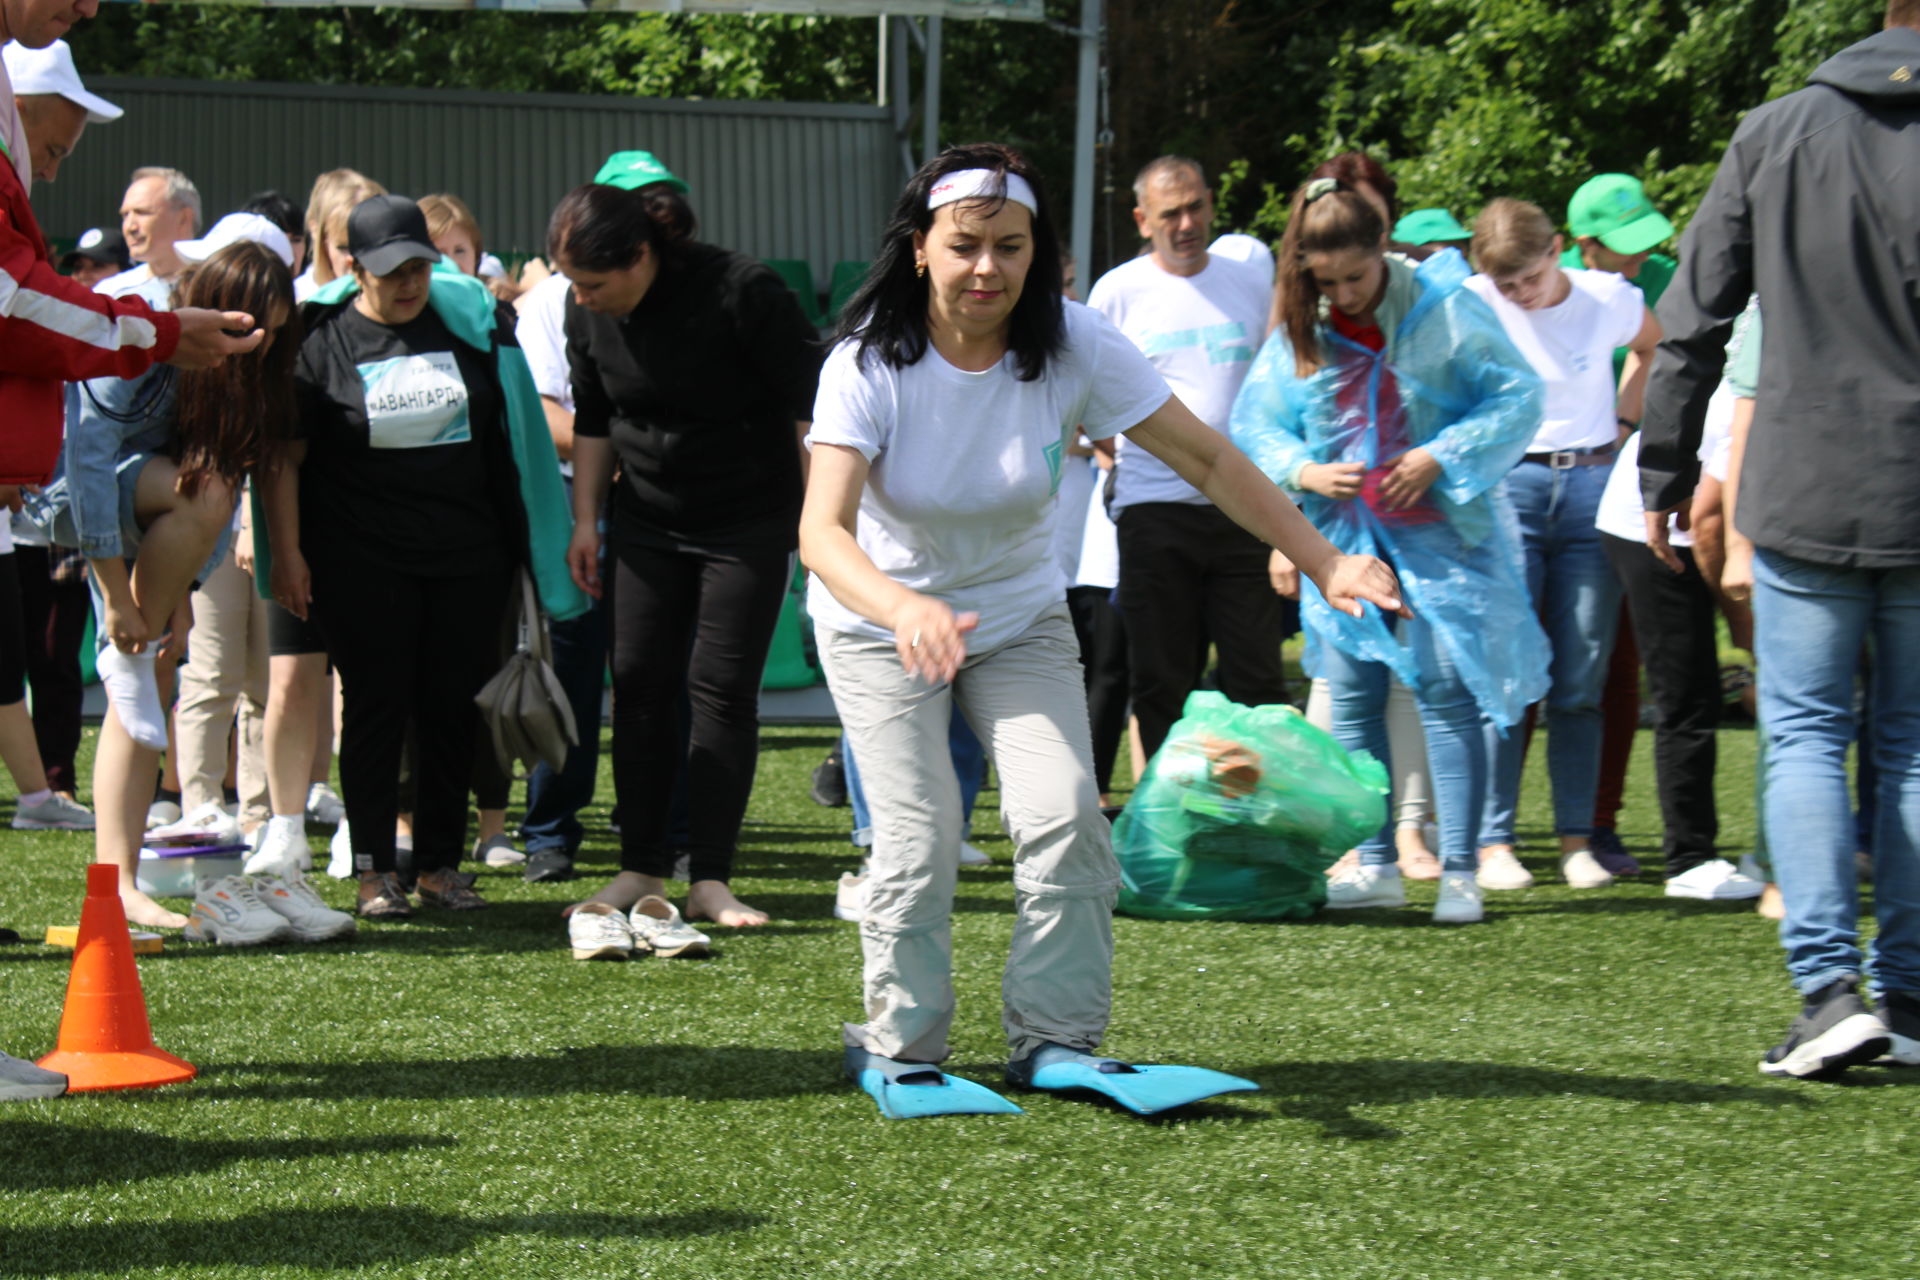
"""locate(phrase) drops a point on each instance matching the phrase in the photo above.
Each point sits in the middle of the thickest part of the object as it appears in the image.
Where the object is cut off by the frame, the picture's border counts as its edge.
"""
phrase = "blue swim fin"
(1143, 1090)
(908, 1090)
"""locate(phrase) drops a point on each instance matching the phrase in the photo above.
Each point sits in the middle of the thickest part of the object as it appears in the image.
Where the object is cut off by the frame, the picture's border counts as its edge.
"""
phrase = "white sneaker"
(1715, 881)
(973, 857)
(598, 932)
(162, 813)
(340, 853)
(280, 853)
(324, 805)
(55, 813)
(296, 901)
(1581, 870)
(229, 911)
(657, 927)
(210, 819)
(1750, 868)
(850, 897)
(1459, 900)
(498, 851)
(1501, 872)
(1366, 886)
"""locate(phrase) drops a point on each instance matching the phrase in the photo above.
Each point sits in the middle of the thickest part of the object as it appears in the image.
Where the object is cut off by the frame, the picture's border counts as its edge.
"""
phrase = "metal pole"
(1084, 122)
(900, 93)
(881, 81)
(930, 111)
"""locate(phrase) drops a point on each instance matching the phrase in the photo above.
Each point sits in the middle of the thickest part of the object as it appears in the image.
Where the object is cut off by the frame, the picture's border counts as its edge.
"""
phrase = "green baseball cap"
(1429, 226)
(631, 170)
(1613, 209)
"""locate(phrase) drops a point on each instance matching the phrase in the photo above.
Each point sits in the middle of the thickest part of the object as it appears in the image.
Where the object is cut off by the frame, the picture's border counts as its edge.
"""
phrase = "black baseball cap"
(384, 232)
(100, 245)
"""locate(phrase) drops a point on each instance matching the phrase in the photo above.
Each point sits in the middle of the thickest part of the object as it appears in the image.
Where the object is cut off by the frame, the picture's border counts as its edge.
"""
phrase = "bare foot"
(1416, 860)
(143, 910)
(621, 892)
(1771, 905)
(1348, 861)
(713, 900)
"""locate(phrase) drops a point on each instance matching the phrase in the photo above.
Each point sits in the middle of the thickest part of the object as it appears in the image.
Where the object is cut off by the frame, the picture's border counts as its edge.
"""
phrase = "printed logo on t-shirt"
(1054, 453)
(1224, 343)
(414, 402)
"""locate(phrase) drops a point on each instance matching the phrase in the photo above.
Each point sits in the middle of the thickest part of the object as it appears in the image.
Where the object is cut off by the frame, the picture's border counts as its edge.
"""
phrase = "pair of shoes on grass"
(1835, 1030)
(1367, 885)
(1502, 872)
(243, 911)
(597, 931)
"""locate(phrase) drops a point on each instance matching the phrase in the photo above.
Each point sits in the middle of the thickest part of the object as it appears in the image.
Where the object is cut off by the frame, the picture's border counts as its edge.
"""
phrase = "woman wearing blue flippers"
(956, 382)
(1391, 397)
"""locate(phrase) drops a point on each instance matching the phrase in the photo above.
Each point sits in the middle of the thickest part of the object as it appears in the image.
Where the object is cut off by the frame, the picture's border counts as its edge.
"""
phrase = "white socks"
(134, 692)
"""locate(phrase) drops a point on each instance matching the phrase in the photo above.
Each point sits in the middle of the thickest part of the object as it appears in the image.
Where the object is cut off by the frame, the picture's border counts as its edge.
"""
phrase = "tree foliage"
(1462, 99)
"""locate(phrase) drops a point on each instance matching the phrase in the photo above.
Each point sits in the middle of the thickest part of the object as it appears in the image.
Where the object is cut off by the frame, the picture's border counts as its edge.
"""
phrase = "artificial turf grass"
(1568, 1089)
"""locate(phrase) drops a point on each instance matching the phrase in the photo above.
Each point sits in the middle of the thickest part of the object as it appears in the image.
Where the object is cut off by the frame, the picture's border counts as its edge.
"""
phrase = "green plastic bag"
(1240, 814)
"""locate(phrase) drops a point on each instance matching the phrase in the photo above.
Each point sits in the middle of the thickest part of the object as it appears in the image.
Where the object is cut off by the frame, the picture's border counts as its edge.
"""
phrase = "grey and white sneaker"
(1365, 885)
(301, 906)
(229, 911)
(211, 819)
(498, 851)
(1581, 870)
(850, 896)
(657, 927)
(1900, 1010)
(55, 813)
(1502, 872)
(1835, 1030)
(21, 1081)
(324, 805)
(597, 931)
(1715, 880)
(162, 813)
(970, 856)
(1460, 899)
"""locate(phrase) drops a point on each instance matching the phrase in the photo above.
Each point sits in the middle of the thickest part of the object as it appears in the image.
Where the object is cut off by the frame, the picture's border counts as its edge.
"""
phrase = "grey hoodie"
(1816, 207)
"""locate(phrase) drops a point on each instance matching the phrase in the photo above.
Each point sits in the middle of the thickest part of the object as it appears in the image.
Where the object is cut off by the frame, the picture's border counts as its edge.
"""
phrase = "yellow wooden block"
(68, 936)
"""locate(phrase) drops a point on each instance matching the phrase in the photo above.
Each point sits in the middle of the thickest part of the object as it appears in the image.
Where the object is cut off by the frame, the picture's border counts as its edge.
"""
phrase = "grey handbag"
(525, 708)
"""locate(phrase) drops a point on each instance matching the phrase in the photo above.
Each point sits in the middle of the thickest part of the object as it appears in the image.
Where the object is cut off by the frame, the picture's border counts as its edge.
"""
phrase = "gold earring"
(920, 270)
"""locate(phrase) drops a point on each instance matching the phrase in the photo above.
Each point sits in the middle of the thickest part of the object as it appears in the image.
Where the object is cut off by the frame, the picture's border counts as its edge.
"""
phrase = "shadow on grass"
(704, 1072)
(47, 1157)
(1324, 1093)
(325, 1239)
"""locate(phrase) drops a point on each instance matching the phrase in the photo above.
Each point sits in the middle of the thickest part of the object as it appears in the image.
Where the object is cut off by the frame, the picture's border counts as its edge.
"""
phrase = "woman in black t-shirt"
(398, 523)
(696, 369)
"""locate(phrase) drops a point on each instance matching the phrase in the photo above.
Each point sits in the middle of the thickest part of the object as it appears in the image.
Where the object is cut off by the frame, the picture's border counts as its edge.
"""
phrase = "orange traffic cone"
(105, 1040)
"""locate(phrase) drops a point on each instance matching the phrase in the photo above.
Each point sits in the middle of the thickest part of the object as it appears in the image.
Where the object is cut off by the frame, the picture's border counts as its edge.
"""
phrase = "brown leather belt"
(1561, 459)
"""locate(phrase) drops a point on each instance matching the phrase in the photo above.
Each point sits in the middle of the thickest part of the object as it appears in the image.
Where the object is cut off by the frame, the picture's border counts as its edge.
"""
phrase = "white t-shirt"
(1201, 333)
(304, 285)
(1571, 346)
(1623, 514)
(541, 332)
(1077, 480)
(1099, 540)
(1248, 249)
(962, 495)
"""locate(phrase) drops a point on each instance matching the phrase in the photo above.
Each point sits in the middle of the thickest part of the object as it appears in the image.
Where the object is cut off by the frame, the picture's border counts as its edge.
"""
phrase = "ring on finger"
(915, 642)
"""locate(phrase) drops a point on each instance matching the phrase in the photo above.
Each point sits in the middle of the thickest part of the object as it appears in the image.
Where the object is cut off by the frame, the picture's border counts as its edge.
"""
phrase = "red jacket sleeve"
(51, 327)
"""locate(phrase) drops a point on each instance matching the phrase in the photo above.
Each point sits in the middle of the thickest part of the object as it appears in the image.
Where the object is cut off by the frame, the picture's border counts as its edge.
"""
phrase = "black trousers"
(701, 621)
(1103, 653)
(1673, 623)
(1190, 577)
(409, 647)
(54, 617)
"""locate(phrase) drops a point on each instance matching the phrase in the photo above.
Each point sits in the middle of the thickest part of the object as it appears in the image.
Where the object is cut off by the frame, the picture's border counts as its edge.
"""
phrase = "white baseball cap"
(232, 229)
(50, 71)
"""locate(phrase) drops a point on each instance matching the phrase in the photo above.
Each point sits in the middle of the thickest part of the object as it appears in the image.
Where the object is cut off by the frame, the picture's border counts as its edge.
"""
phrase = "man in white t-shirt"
(1189, 576)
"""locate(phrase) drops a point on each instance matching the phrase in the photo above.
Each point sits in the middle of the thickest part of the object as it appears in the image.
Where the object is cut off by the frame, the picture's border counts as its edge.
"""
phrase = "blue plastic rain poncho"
(1448, 381)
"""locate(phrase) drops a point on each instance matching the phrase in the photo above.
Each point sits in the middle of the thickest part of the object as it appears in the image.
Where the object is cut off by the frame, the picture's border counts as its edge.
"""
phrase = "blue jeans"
(1809, 623)
(555, 799)
(969, 766)
(1573, 586)
(1456, 745)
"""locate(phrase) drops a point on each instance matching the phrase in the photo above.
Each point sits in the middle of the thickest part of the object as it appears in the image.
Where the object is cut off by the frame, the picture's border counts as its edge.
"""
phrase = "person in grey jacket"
(1816, 207)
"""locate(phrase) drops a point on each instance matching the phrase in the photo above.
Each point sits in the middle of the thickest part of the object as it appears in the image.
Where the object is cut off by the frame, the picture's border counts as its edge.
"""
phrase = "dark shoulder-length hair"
(887, 316)
(598, 227)
(231, 420)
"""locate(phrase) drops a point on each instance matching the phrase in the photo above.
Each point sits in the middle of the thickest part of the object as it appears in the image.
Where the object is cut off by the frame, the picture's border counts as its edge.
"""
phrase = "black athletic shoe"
(544, 865)
(1835, 1030)
(1900, 1010)
(829, 788)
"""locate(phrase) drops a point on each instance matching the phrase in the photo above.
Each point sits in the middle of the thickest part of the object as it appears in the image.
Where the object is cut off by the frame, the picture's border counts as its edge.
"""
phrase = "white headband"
(982, 184)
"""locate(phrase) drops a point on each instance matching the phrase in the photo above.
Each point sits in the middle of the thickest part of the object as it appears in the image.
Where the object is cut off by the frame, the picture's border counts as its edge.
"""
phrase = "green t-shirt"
(1656, 273)
(1743, 352)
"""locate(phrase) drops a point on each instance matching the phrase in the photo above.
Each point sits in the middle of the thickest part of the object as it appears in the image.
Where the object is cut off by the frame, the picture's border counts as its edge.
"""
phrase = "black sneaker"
(545, 865)
(1835, 1030)
(829, 789)
(1900, 1010)
(1611, 854)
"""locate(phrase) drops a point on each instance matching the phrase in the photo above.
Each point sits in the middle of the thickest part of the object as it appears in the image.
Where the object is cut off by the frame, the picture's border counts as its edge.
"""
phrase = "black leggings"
(1103, 652)
(702, 620)
(409, 647)
(13, 635)
(55, 613)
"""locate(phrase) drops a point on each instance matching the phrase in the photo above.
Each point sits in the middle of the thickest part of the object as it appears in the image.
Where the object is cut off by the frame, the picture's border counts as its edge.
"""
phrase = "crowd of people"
(1472, 463)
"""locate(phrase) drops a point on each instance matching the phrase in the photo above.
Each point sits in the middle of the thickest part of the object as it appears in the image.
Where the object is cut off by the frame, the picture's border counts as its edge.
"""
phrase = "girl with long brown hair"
(1390, 400)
